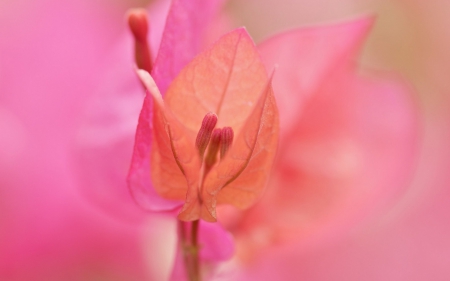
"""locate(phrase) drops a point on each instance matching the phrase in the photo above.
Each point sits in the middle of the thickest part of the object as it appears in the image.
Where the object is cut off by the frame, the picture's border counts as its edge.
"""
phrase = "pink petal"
(183, 37)
(217, 242)
(409, 243)
(355, 147)
(181, 40)
(227, 79)
(179, 272)
(47, 233)
(242, 175)
(105, 137)
(230, 80)
(346, 155)
(165, 171)
(351, 154)
(104, 143)
(304, 57)
(139, 177)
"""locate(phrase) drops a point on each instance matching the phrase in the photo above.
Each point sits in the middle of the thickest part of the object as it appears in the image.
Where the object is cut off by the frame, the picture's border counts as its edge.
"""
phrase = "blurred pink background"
(409, 241)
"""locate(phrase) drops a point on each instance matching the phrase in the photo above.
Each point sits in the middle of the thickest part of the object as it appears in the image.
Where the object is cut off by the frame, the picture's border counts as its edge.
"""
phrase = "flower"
(228, 79)
(322, 70)
(106, 137)
(48, 231)
(348, 141)
(407, 241)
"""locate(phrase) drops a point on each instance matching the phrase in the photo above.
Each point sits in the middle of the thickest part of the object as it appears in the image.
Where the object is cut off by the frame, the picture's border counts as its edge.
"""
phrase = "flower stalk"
(190, 248)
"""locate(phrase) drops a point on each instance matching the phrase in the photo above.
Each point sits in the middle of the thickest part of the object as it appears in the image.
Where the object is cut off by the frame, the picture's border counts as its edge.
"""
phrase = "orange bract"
(230, 80)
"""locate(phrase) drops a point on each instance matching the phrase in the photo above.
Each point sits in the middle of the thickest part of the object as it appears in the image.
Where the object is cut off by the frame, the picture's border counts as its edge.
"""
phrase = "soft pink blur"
(408, 241)
(49, 63)
(348, 144)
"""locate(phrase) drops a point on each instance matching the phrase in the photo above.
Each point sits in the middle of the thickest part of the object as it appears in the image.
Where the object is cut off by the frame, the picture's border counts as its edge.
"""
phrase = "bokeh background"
(52, 54)
(408, 242)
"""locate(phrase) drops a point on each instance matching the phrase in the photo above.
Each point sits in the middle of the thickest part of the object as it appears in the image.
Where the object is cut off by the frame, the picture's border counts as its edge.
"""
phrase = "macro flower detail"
(229, 80)
(336, 126)
(359, 185)
(182, 39)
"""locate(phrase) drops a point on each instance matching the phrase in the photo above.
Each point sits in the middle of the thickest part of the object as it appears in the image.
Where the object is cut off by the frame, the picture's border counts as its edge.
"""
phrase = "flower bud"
(226, 140)
(204, 134)
(138, 23)
(213, 149)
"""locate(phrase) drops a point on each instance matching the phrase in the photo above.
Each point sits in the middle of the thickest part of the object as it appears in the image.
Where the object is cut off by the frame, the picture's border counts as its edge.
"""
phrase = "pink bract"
(347, 147)
(348, 139)
(49, 66)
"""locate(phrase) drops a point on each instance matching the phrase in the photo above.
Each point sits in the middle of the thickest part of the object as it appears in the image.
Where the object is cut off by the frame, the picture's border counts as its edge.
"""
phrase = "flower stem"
(196, 248)
(190, 248)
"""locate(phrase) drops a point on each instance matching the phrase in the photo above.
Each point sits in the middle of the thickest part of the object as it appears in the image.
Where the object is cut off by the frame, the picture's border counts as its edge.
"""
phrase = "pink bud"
(214, 145)
(138, 23)
(226, 140)
(204, 134)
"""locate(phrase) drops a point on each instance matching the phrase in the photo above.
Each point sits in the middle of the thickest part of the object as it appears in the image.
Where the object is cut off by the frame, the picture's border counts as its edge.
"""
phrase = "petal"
(47, 232)
(183, 31)
(217, 242)
(139, 177)
(230, 80)
(241, 177)
(216, 246)
(351, 154)
(106, 135)
(179, 269)
(183, 36)
(304, 57)
(408, 243)
(226, 79)
(355, 149)
(175, 163)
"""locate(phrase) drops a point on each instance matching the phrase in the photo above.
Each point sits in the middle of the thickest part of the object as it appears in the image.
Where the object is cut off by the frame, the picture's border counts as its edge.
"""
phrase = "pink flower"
(106, 135)
(408, 241)
(229, 79)
(48, 233)
(100, 142)
(348, 142)
(340, 132)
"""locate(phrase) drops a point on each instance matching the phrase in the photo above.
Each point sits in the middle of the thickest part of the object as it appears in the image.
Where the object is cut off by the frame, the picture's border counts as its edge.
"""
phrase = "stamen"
(138, 23)
(204, 134)
(213, 148)
(226, 140)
